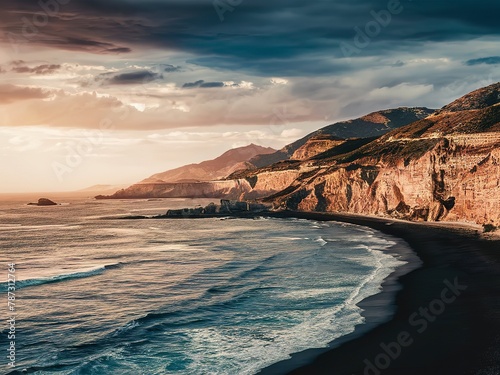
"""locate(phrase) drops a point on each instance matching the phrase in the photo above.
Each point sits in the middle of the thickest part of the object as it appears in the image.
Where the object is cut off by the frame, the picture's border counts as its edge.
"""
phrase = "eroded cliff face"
(442, 167)
(268, 183)
(457, 180)
(230, 189)
(445, 167)
(315, 146)
(249, 188)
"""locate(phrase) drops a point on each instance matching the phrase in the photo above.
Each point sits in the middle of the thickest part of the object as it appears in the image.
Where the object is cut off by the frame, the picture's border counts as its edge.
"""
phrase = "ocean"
(99, 295)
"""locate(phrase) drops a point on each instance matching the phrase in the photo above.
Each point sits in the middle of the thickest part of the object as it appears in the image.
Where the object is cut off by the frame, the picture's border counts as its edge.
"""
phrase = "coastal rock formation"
(230, 189)
(43, 202)
(204, 179)
(450, 182)
(197, 180)
(442, 168)
(226, 207)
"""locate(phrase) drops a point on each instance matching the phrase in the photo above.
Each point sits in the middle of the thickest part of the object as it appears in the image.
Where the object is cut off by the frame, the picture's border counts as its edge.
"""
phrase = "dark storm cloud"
(138, 77)
(84, 45)
(190, 85)
(212, 84)
(293, 37)
(118, 50)
(170, 68)
(492, 60)
(201, 83)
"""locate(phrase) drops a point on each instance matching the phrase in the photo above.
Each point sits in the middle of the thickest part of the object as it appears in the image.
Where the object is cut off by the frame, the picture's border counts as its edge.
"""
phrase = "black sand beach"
(447, 318)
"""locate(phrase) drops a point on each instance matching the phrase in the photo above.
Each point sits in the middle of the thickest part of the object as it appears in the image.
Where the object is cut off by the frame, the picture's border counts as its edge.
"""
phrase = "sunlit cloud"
(162, 84)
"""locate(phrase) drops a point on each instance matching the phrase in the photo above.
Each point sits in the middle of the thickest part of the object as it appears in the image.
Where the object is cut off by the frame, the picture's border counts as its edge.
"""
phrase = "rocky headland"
(440, 166)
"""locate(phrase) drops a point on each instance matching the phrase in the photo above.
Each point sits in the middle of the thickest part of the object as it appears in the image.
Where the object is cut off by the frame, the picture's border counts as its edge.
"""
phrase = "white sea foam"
(298, 295)
(313, 292)
(321, 241)
(247, 352)
(126, 327)
(65, 276)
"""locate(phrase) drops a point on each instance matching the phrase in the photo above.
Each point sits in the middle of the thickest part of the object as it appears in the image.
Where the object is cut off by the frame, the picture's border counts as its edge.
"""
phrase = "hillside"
(478, 99)
(372, 125)
(189, 179)
(215, 169)
(445, 167)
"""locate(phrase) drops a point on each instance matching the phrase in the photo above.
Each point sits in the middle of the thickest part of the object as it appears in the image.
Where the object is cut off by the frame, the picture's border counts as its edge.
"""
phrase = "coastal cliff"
(230, 189)
(204, 179)
(197, 180)
(452, 181)
(442, 168)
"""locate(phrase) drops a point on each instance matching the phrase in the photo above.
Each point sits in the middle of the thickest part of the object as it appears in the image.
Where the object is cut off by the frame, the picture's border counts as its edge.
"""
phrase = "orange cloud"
(11, 93)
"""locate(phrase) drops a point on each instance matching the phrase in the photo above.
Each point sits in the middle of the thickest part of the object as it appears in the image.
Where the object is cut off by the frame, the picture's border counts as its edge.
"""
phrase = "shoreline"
(377, 309)
(464, 338)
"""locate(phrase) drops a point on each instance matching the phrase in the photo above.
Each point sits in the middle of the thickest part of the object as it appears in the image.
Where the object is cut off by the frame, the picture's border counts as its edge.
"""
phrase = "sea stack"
(43, 202)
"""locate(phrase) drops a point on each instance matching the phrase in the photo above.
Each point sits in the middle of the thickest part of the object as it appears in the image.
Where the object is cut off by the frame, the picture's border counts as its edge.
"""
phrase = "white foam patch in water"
(313, 292)
(289, 238)
(240, 352)
(321, 241)
(19, 227)
(61, 277)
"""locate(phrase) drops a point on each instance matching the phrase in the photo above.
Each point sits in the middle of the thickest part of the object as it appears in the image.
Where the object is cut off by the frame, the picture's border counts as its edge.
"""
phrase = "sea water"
(97, 294)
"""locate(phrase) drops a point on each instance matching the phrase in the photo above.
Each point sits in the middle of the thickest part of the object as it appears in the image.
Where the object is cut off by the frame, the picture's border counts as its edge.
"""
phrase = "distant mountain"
(172, 182)
(371, 125)
(215, 169)
(101, 189)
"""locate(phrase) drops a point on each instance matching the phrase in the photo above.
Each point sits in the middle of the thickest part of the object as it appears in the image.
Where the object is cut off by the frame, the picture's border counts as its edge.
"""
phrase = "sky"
(110, 92)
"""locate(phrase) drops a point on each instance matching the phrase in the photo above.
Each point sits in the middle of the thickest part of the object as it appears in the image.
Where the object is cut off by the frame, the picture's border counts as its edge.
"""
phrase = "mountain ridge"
(370, 125)
(441, 167)
(445, 167)
(213, 169)
(173, 181)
